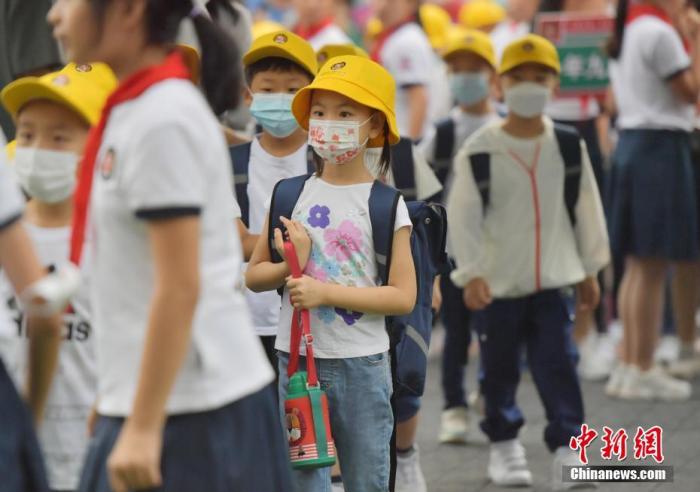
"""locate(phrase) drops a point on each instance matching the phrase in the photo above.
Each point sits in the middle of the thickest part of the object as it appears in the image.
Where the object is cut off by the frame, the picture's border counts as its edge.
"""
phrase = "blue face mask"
(469, 88)
(274, 113)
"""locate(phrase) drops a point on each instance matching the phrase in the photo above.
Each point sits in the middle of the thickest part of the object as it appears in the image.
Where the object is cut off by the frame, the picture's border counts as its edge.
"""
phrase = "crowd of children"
(169, 364)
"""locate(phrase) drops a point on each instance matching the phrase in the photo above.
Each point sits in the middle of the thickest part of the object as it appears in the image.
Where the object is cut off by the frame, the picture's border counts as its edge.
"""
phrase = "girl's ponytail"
(614, 46)
(221, 72)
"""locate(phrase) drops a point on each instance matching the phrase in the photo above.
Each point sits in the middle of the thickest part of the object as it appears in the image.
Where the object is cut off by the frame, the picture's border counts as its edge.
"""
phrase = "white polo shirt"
(652, 52)
(264, 171)
(408, 57)
(11, 208)
(164, 154)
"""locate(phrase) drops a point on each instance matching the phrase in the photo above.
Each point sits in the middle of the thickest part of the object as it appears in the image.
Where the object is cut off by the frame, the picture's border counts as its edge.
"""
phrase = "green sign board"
(580, 40)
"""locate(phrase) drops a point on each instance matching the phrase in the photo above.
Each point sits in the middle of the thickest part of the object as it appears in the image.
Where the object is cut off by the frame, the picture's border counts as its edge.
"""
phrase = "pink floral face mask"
(336, 142)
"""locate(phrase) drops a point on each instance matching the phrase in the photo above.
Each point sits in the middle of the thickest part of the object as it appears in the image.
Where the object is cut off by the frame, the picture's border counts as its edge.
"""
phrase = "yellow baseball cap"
(332, 50)
(436, 22)
(263, 27)
(530, 49)
(83, 88)
(373, 27)
(471, 41)
(359, 79)
(282, 44)
(478, 14)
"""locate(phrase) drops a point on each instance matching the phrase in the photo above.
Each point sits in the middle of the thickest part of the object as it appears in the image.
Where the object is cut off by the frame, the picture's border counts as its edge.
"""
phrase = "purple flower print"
(319, 216)
(350, 317)
(343, 242)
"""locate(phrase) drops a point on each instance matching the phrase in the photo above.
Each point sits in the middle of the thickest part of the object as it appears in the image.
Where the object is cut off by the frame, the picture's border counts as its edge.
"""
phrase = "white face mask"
(337, 142)
(47, 175)
(527, 99)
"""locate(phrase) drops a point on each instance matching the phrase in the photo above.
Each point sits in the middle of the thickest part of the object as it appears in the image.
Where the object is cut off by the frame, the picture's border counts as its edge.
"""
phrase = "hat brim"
(491, 61)
(23, 91)
(515, 64)
(302, 102)
(270, 51)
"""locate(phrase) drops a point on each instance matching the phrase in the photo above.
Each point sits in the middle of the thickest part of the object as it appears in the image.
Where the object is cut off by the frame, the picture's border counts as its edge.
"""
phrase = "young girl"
(653, 215)
(53, 116)
(21, 467)
(348, 107)
(184, 396)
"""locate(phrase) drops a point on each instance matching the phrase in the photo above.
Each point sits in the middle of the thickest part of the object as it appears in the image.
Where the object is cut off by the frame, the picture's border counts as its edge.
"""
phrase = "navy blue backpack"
(409, 334)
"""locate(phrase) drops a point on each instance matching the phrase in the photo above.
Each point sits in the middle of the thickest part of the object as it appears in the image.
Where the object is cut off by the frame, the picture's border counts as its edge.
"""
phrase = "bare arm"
(23, 268)
(262, 274)
(686, 85)
(248, 240)
(418, 109)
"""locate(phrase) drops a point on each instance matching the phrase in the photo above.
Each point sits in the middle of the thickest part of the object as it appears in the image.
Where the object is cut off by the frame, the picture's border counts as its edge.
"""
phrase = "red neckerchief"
(172, 68)
(636, 11)
(384, 35)
(308, 32)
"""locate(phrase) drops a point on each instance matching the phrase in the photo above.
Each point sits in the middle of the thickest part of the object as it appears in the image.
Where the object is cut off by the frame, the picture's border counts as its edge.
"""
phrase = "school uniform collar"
(173, 67)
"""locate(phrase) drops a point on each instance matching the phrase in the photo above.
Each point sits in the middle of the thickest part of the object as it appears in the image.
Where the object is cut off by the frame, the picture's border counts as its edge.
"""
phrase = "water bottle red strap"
(301, 326)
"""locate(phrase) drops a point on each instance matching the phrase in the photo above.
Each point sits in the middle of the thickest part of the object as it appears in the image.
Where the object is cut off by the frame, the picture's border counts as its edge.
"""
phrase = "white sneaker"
(455, 426)
(564, 456)
(476, 402)
(668, 350)
(597, 357)
(685, 368)
(337, 487)
(508, 465)
(409, 476)
(617, 380)
(654, 384)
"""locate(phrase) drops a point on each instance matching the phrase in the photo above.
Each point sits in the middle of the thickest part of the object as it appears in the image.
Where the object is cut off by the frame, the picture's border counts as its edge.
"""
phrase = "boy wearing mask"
(526, 225)
(277, 65)
(53, 115)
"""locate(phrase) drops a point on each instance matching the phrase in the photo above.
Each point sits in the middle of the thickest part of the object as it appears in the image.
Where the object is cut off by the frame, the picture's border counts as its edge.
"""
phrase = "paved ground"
(463, 468)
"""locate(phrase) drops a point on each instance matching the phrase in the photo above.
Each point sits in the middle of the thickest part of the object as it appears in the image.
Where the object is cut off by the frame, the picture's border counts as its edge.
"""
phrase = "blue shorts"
(21, 465)
(239, 446)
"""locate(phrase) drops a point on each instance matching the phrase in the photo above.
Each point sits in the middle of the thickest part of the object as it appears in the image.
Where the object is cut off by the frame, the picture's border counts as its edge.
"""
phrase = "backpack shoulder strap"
(284, 197)
(310, 162)
(481, 170)
(403, 168)
(383, 200)
(240, 159)
(444, 139)
(569, 141)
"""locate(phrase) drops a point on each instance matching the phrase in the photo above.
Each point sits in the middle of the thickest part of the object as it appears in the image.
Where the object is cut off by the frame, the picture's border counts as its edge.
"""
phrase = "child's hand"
(297, 234)
(134, 462)
(588, 294)
(305, 292)
(477, 294)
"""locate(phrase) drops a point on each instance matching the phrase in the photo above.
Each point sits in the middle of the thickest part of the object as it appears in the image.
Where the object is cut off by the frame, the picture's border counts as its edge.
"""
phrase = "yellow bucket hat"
(282, 44)
(83, 88)
(530, 49)
(332, 50)
(478, 14)
(436, 22)
(359, 79)
(471, 41)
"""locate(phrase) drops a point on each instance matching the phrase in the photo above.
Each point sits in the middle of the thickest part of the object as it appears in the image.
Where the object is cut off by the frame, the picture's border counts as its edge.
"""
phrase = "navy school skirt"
(238, 447)
(21, 465)
(652, 206)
